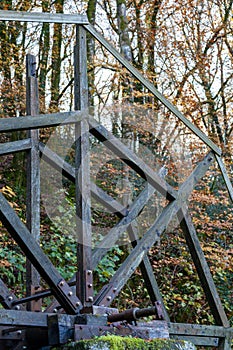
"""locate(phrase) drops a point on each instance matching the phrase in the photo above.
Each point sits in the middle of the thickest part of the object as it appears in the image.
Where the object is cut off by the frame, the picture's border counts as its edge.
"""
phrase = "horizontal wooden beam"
(43, 17)
(199, 330)
(152, 88)
(15, 146)
(40, 121)
(14, 318)
(198, 341)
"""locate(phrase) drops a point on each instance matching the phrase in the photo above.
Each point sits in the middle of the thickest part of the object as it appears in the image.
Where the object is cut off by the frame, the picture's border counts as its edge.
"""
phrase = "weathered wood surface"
(41, 121)
(23, 318)
(38, 258)
(199, 341)
(82, 174)
(199, 330)
(202, 268)
(152, 88)
(33, 178)
(43, 17)
(15, 146)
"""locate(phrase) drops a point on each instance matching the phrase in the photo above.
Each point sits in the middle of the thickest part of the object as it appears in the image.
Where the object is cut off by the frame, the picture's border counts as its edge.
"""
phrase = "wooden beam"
(202, 268)
(199, 330)
(7, 297)
(84, 285)
(115, 207)
(69, 172)
(198, 341)
(225, 176)
(117, 282)
(15, 146)
(128, 156)
(40, 121)
(152, 88)
(113, 235)
(43, 17)
(14, 318)
(33, 179)
(38, 258)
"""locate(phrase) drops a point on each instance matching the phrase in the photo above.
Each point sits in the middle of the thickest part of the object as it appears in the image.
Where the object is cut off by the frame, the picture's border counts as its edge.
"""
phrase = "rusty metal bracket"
(66, 292)
(89, 285)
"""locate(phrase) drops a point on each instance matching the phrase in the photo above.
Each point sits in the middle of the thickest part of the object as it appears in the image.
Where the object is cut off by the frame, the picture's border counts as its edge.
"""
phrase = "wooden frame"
(77, 296)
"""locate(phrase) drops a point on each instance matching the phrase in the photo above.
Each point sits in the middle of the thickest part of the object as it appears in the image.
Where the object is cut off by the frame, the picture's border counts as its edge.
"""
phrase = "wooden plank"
(117, 282)
(35, 254)
(33, 179)
(15, 146)
(199, 330)
(127, 156)
(202, 268)
(14, 318)
(40, 121)
(225, 176)
(43, 17)
(84, 285)
(198, 341)
(152, 88)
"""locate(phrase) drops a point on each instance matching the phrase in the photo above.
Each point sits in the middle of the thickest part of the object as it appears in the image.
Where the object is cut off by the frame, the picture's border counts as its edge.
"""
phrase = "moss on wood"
(110, 342)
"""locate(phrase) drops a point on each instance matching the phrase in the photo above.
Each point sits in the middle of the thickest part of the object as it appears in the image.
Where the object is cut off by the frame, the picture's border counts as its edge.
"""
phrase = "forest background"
(185, 49)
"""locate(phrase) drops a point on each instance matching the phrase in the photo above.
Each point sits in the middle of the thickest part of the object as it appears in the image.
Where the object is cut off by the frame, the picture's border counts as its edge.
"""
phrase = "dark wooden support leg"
(82, 176)
(202, 268)
(33, 180)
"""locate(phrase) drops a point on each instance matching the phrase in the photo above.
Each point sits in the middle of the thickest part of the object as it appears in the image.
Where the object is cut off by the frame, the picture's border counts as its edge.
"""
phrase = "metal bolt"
(114, 290)
(62, 283)
(70, 293)
(89, 272)
(10, 298)
(109, 298)
(55, 311)
(19, 332)
(89, 285)
(90, 299)
(17, 307)
(78, 303)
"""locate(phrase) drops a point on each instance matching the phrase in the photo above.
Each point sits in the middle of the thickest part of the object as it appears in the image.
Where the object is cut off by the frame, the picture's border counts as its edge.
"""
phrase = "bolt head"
(89, 272)
(10, 298)
(78, 303)
(55, 311)
(109, 298)
(90, 299)
(17, 307)
(62, 283)
(89, 285)
(70, 293)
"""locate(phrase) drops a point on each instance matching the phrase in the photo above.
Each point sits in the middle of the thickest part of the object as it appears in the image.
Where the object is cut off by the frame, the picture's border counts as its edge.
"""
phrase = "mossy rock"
(110, 342)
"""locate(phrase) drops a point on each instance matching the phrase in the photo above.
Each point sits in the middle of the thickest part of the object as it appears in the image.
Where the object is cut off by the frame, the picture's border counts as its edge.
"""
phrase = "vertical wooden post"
(84, 287)
(33, 178)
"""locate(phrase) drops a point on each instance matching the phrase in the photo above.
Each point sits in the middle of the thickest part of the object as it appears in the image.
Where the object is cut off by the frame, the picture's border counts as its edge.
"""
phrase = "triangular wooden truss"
(76, 297)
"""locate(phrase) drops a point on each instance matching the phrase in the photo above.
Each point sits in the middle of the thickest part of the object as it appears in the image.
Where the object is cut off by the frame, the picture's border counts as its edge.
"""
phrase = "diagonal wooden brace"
(117, 282)
(38, 258)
